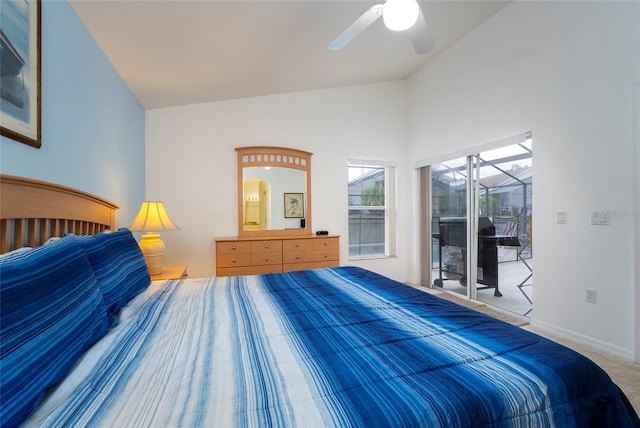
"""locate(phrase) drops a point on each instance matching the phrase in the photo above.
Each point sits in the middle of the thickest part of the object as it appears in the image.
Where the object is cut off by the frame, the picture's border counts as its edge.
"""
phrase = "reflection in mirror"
(274, 191)
(257, 203)
(264, 191)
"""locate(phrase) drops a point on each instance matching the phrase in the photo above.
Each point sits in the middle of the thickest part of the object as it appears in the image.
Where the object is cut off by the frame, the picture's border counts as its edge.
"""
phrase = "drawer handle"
(326, 244)
(233, 247)
(266, 259)
(266, 245)
(297, 245)
(298, 257)
(234, 260)
(326, 255)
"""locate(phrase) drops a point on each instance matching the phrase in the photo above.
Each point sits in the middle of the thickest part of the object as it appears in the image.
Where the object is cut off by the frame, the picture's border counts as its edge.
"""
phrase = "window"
(371, 209)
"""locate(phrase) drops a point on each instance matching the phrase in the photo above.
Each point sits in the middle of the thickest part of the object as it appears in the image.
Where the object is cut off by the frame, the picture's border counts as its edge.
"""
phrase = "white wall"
(636, 214)
(191, 162)
(565, 71)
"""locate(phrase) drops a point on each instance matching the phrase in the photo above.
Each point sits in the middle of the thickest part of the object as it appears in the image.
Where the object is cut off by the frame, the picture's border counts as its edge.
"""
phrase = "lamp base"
(152, 249)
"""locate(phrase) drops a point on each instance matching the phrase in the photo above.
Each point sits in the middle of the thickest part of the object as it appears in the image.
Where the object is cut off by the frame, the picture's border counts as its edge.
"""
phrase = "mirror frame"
(261, 156)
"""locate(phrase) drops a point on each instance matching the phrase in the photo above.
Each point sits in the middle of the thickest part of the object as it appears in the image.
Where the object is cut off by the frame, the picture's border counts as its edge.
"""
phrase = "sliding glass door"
(504, 200)
(479, 217)
(449, 204)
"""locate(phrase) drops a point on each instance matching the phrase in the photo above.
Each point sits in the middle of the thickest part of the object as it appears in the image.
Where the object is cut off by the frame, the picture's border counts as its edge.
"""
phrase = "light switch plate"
(561, 217)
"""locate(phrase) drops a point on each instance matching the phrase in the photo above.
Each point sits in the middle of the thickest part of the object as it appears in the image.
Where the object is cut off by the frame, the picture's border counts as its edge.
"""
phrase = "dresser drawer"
(325, 244)
(326, 255)
(297, 245)
(308, 265)
(233, 247)
(248, 270)
(230, 260)
(267, 246)
(297, 256)
(270, 258)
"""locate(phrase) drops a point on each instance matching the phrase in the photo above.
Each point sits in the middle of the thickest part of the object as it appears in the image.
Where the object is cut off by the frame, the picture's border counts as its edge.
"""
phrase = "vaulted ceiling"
(183, 52)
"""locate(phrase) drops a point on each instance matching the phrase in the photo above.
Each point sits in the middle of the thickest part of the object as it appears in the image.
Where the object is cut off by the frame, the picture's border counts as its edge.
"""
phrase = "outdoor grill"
(452, 250)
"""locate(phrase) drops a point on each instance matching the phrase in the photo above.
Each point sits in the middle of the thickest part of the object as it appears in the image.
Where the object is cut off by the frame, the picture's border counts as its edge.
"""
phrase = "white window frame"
(390, 205)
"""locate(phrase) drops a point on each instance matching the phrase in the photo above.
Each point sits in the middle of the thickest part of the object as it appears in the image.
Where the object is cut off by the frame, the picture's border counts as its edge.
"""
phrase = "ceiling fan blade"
(360, 24)
(420, 35)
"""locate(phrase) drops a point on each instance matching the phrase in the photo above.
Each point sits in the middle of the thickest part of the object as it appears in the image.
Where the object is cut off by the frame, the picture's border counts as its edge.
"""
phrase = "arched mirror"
(274, 191)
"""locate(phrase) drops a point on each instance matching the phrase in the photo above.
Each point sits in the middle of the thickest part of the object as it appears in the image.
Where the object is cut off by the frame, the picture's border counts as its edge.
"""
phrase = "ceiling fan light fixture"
(400, 15)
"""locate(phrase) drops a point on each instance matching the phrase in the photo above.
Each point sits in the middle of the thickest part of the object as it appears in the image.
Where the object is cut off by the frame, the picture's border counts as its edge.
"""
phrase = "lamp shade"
(400, 15)
(152, 218)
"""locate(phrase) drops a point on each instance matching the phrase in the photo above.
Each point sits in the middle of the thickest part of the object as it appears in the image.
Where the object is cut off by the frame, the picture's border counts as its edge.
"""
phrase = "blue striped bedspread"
(330, 347)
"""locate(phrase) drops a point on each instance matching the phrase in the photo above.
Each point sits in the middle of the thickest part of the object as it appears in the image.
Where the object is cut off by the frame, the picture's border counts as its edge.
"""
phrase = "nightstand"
(171, 272)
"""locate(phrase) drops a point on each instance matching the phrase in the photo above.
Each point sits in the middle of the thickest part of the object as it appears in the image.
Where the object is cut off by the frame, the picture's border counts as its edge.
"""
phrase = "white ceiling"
(183, 52)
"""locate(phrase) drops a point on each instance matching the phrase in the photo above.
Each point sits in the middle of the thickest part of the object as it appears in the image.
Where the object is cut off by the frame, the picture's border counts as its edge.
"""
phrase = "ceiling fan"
(398, 15)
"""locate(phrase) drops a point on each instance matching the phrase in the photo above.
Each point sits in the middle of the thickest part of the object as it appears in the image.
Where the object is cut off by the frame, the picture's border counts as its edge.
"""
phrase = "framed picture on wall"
(20, 69)
(294, 205)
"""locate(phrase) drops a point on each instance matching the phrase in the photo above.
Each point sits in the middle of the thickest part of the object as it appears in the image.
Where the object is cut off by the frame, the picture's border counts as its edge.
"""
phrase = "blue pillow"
(51, 311)
(119, 266)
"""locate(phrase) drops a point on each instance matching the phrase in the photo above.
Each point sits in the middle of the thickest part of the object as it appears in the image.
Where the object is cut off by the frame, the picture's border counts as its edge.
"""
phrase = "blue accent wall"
(93, 127)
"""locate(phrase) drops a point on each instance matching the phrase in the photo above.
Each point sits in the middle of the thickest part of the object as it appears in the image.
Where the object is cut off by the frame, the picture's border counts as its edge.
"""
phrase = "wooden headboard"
(32, 211)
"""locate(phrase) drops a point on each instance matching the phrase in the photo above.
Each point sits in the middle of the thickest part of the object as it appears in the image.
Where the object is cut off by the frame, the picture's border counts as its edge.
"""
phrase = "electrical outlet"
(600, 218)
(590, 295)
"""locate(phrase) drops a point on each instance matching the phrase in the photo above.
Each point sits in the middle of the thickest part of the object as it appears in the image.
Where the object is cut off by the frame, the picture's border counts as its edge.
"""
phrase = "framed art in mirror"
(20, 65)
(294, 205)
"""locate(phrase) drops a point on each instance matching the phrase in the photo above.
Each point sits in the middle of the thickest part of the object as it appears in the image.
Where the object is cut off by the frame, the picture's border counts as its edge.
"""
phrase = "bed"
(328, 347)
(33, 211)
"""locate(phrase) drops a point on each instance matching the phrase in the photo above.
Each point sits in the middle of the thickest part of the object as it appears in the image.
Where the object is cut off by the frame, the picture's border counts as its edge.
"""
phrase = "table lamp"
(152, 218)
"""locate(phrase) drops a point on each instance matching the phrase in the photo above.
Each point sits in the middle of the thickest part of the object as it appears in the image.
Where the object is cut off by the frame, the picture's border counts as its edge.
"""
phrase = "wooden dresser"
(252, 256)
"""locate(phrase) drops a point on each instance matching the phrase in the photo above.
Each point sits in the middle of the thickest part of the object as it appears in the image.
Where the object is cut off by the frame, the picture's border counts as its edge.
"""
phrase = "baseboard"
(582, 339)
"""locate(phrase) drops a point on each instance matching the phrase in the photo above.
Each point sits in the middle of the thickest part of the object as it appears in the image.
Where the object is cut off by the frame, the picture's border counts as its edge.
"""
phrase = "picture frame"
(294, 205)
(20, 62)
